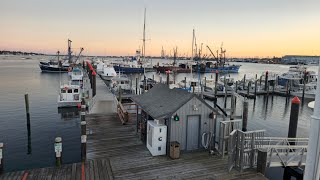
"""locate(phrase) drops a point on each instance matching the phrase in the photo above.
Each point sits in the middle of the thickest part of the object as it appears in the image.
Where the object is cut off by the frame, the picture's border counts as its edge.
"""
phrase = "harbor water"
(19, 76)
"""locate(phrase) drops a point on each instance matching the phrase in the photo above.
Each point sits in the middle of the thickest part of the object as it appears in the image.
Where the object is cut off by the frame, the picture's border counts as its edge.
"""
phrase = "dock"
(115, 151)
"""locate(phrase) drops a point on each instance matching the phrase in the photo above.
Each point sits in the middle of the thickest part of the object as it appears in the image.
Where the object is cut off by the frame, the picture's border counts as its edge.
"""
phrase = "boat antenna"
(60, 65)
(144, 43)
(192, 51)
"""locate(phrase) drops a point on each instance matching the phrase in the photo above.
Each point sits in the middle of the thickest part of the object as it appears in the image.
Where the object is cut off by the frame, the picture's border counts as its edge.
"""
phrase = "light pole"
(313, 155)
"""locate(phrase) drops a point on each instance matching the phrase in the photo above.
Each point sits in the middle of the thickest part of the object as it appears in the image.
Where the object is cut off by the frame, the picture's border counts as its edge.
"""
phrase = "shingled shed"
(186, 115)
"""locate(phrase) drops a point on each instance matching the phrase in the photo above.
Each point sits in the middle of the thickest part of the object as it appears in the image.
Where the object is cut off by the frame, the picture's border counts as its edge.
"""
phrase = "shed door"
(193, 126)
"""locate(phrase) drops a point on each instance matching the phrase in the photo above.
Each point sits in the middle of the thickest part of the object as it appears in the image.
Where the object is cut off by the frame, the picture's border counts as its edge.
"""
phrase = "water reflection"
(69, 113)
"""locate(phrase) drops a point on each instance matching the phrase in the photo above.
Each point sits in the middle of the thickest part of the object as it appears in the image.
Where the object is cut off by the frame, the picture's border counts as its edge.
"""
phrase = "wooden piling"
(205, 82)
(26, 100)
(287, 89)
(294, 114)
(1, 159)
(255, 88)
(94, 84)
(244, 82)
(152, 76)
(136, 85)
(266, 82)
(232, 107)
(262, 161)
(168, 78)
(216, 83)
(83, 140)
(225, 92)
(160, 79)
(245, 116)
(236, 86)
(260, 81)
(120, 93)
(185, 82)
(248, 90)
(304, 84)
(58, 151)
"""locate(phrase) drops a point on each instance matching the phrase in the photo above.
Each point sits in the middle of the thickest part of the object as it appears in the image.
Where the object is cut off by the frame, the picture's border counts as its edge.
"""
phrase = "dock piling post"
(58, 150)
(160, 79)
(236, 86)
(262, 161)
(185, 82)
(294, 113)
(152, 76)
(136, 85)
(225, 92)
(232, 107)
(168, 78)
(216, 83)
(94, 85)
(245, 116)
(83, 110)
(260, 81)
(120, 93)
(83, 140)
(287, 89)
(26, 100)
(304, 84)
(266, 82)
(205, 82)
(255, 88)
(248, 90)
(1, 158)
(244, 81)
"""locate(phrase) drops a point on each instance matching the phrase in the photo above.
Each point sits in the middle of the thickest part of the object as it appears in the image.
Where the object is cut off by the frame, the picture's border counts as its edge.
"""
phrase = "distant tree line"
(18, 53)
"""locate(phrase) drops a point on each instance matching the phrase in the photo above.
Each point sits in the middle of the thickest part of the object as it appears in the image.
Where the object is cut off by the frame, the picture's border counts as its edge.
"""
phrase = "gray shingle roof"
(160, 101)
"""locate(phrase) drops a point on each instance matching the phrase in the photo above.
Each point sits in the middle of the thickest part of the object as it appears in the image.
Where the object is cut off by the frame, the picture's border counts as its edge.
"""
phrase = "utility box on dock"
(156, 138)
(174, 150)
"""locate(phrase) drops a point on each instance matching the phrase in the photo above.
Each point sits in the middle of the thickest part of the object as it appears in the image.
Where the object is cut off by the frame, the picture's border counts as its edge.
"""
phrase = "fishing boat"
(122, 82)
(59, 65)
(71, 93)
(108, 72)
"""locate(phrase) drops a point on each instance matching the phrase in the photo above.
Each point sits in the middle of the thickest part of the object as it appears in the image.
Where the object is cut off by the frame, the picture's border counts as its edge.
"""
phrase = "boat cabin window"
(75, 90)
(69, 90)
(63, 91)
(122, 82)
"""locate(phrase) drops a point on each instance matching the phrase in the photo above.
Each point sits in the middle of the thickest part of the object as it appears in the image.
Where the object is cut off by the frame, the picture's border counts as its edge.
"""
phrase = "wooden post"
(248, 90)
(152, 76)
(293, 124)
(266, 82)
(216, 83)
(94, 85)
(83, 140)
(232, 107)
(26, 100)
(287, 89)
(168, 78)
(304, 84)
(262, 161)
(225, 92)
(1, 159)
(255, 88)
(260, 81)
(244, 82)
(90, 78)
(136, 85)
(245, 116)
(58, 151)
(160, 79)
(236, 86)
(120, 93)
(205, 82)
(137, 121)
(185, 82)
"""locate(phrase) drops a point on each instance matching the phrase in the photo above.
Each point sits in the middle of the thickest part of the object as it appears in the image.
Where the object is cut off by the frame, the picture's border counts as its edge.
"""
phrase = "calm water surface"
(18, 77)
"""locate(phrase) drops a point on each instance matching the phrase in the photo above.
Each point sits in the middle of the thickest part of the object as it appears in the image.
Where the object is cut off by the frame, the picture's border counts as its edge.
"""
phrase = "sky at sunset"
(247, 28)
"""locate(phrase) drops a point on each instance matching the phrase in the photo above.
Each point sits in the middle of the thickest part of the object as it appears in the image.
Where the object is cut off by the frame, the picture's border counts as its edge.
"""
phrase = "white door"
(193, 129)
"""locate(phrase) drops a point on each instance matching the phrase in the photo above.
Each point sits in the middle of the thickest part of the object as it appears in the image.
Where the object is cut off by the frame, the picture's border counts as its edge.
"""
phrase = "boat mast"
(144, 36)
(69, 51)
(192, 51)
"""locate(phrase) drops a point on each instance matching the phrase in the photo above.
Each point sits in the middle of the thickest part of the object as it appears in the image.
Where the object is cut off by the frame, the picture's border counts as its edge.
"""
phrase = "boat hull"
(163, 69)
(226, 69)
(65, 104)
(45, 68)
(128, 70)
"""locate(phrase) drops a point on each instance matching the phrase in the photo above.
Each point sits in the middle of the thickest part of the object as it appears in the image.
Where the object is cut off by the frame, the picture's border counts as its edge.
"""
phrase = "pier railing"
(243, 150)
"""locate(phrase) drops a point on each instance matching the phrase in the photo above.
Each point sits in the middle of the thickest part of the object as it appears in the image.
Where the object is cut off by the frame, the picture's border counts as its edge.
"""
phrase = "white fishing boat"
(123, 82)
(108, 72)
(70, 94)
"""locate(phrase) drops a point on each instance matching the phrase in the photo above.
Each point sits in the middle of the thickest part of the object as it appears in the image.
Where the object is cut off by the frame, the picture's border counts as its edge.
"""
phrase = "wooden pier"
(114, 151)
